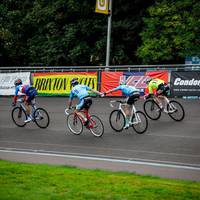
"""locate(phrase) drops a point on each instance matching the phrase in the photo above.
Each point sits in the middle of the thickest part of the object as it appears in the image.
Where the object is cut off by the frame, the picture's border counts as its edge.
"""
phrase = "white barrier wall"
(7, 81)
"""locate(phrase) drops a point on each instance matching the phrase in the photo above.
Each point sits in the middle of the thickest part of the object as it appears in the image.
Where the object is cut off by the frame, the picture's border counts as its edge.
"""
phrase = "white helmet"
(122, 82)
(148, 79)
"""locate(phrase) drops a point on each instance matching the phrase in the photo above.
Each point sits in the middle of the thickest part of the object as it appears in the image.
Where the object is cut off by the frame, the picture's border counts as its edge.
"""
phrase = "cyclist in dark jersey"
(29, 92)
(161, 90)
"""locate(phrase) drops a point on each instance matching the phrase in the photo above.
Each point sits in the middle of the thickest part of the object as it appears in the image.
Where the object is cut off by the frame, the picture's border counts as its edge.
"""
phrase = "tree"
(61, 32)
(171, 32)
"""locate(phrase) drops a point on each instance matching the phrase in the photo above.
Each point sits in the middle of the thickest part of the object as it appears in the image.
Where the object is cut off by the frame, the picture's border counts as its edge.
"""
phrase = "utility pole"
(109, 34)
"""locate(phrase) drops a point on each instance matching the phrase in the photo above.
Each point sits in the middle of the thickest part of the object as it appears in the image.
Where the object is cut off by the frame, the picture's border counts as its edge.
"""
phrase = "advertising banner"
(110, 80)
(7, 81)
(185, 83)
(58, 83)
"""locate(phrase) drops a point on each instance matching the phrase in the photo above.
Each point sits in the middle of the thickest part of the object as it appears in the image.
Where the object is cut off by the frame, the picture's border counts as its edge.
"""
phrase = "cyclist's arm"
(71, 96)
(112, 90)
(95, 91)
(16, 95)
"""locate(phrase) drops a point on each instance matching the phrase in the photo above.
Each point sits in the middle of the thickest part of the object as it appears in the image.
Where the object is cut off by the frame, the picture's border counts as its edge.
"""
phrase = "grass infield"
(19, 181)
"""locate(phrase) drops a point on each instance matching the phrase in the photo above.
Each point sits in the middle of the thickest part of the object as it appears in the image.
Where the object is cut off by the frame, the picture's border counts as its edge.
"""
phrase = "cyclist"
(30, 93)
(161, 90)
(132, 94)
(85, 101)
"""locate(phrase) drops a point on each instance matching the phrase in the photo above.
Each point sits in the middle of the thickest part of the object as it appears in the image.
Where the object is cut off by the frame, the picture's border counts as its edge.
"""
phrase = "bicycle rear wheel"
(41, 117)
(139, 122)
(175, 110)
(98, 128)
(152, 109)
(117, 120)
(19, 116)
(74, 124)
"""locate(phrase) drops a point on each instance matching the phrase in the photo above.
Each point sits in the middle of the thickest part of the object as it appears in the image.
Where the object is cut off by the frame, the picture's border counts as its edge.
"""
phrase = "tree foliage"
(68, 32)
(171, 32)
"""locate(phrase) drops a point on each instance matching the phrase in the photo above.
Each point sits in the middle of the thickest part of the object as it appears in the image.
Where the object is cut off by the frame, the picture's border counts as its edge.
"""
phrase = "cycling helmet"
(148, 79)
(74, 81)
(18, 82)
(122, 82)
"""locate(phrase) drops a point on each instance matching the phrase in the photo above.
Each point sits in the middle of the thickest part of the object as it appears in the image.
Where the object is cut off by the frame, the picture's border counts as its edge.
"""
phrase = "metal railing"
(128, 68)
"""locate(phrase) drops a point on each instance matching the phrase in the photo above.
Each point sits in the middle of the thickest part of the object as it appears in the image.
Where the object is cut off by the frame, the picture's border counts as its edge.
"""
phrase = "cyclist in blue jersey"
(132, 93)
(30, 93)
(81, 92)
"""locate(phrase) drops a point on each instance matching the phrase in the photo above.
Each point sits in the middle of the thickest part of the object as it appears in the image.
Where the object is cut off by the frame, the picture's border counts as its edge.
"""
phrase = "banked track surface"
(168, 149)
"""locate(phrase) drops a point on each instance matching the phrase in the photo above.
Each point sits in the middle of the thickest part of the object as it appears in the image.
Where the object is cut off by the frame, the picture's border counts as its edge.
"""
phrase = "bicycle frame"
(21, 104)
(133, 111)
(171, 107)
(86, 113)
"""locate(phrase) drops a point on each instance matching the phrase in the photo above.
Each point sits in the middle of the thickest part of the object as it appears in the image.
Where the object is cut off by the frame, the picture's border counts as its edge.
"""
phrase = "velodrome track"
(168, 149)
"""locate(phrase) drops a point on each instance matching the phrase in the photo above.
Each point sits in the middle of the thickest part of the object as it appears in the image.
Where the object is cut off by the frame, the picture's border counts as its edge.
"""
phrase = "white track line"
(103, 159)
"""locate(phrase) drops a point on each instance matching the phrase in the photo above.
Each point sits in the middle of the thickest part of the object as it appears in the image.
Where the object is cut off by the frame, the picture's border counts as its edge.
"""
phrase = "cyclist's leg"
(27, 106)
(83, 107)
(128, 108)
(159, 97)
(78, 109)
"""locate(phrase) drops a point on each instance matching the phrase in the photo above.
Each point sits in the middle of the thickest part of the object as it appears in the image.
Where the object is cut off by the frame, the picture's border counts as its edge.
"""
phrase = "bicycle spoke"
(140, 122)
(19, 116)
(175, 110)
(41, 117)
(74, 124)
(152, 109)
(97, 127)
(117, 120)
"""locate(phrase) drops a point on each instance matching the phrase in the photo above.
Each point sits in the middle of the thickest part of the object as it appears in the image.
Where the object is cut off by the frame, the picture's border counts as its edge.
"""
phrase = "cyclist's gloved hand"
(13, 104)
(103, 94)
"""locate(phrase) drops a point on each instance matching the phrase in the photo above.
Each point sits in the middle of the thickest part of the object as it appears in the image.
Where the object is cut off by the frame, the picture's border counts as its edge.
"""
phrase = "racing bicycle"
(75, 122)
(139, 121)
(173, 108)
(38, 115)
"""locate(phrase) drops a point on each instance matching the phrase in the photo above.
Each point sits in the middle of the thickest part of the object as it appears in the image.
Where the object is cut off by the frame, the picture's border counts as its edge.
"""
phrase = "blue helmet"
(74, 81)
(148, 79)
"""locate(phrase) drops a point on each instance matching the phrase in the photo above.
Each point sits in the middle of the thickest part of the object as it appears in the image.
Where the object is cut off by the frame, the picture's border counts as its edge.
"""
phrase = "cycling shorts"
(30, 94)
(133, 98)
(164, 89)
(85, 102)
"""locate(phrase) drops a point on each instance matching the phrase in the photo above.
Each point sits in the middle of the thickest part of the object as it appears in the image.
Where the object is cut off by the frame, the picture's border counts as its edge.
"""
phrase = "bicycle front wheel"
(98, 129)
(139, 122)
(152, 109)
(175, 110)
(74, 124)
(41, 117)
(19, 116)
(117, 120)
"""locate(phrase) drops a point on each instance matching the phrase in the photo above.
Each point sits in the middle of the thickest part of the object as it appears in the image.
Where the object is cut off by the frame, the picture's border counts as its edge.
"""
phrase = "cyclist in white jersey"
(81, 92)
(132, 93)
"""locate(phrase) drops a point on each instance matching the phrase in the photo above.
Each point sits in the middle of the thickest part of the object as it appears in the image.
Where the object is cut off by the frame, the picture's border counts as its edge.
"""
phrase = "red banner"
(110, 80)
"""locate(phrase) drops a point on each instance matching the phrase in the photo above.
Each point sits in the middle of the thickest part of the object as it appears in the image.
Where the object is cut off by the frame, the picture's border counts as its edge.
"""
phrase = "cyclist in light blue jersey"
(81, 92)
(132, 94)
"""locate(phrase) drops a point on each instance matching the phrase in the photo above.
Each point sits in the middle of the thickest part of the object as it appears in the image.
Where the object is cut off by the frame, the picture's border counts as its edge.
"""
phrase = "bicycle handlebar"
(67, 109)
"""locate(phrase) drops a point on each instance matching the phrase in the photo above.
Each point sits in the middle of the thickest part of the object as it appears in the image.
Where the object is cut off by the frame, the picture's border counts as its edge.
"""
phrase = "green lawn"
(19, 181)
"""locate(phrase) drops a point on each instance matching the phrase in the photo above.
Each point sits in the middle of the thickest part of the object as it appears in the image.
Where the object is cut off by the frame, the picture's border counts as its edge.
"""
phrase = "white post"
(109, 34)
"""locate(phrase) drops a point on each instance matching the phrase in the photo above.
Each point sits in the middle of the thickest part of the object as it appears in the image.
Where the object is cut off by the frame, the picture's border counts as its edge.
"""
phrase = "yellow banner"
(59, 84)
(102, 6)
